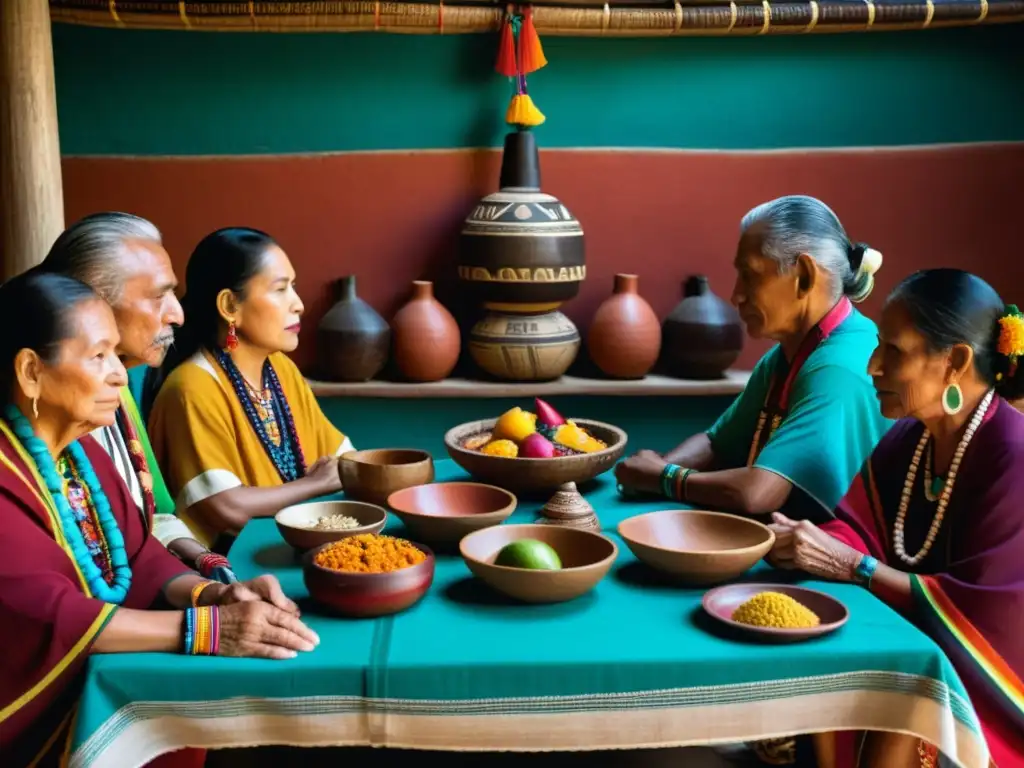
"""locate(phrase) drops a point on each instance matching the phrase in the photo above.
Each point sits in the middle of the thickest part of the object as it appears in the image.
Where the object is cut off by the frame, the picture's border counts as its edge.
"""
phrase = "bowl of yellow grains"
(307, 526)
(535, 450)
(368, 575)
(775, 612)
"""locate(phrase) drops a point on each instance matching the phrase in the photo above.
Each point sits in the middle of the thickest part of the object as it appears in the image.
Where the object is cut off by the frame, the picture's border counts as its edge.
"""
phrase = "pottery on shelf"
(353, 341)
(425, 335)
(521, 250)
(524, 347)
(703, 335)
(625, 335)
(567, 507)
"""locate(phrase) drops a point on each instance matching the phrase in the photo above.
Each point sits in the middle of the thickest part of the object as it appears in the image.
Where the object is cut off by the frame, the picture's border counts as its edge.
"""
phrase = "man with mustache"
(122, 258)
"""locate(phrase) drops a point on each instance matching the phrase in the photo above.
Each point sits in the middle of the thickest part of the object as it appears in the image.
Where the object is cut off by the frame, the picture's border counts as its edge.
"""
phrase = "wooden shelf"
(732, 384)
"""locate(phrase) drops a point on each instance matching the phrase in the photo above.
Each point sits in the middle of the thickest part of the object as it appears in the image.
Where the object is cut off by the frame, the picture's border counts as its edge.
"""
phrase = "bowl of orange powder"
(368, 575)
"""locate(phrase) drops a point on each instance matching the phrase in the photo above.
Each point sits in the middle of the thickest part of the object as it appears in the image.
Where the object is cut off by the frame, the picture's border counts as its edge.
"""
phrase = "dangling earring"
(232, 340)
(952, 399)
(35, 406)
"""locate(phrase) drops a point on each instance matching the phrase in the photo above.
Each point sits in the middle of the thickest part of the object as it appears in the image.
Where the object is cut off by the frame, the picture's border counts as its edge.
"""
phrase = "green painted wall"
(141, 93)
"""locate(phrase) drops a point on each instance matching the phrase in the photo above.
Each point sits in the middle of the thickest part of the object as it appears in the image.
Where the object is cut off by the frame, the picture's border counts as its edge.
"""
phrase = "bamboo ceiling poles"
(585, 18)
(31, 191)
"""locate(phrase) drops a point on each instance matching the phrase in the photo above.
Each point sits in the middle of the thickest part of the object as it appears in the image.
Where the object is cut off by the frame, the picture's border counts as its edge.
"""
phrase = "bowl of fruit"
(528, 451)
(538, 563)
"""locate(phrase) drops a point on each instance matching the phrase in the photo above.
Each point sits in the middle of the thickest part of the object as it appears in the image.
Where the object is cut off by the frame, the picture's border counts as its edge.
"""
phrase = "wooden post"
(31, 190)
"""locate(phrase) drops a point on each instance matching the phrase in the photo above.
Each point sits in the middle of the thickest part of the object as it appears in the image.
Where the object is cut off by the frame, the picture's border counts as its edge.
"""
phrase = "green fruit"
(529, 553)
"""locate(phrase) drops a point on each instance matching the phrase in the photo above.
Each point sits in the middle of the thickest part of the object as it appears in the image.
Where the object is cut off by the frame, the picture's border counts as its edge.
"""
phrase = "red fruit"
(546, 415)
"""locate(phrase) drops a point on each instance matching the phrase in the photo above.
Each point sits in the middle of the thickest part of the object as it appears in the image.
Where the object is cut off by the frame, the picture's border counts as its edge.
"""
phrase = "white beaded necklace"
(947, 488)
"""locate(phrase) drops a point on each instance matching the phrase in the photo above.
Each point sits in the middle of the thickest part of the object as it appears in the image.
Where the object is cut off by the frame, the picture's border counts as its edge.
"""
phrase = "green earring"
(952, 399)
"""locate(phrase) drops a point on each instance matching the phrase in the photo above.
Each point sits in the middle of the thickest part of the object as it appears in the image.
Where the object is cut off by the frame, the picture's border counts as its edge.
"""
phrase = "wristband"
(865, 570)
(202, 631)
(197, 590)
(207, 562)
(668, 480)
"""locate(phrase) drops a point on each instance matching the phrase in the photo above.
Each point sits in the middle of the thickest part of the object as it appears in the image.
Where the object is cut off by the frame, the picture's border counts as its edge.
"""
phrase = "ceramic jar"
(426, 336)
(521, 250)
(625, 335)
(524, 347)
(703, 335)
(353, 341)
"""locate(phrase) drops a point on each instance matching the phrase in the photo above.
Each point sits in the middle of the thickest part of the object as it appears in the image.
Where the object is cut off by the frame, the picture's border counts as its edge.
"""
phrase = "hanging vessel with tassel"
(521, 251)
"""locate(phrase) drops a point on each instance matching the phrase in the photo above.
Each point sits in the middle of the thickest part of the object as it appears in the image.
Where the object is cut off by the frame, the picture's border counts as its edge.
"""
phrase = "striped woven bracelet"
(202, 631)
(668, 480)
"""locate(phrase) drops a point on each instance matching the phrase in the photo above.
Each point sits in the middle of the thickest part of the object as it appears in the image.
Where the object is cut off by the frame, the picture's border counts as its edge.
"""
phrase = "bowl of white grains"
(307, 526)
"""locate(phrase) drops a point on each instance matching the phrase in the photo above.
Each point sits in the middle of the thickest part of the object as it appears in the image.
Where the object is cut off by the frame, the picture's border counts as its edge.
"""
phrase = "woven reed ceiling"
(583, 18)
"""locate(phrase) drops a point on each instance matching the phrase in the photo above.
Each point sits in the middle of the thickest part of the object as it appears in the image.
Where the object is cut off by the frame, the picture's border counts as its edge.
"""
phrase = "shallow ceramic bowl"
(721, 602)
(374, 475)
(442, 513)
(295, 523)
(586, 558)
(695, 546)
(363, 595)
(535, 474)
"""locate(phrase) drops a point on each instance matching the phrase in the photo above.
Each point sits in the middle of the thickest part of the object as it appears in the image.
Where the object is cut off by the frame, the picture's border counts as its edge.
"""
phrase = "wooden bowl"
(442, 513)
(586, 558)
(295, 523)
(374, 475)
(363, 595)
(695, 546)
(721, 602)
(523, 475)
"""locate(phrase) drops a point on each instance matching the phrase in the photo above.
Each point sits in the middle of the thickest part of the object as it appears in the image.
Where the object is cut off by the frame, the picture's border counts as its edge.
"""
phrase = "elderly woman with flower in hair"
(808, 417)
(934, 523)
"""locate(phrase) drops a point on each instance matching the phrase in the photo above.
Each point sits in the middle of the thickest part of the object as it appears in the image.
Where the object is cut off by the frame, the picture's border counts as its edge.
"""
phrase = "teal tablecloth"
(632, 664)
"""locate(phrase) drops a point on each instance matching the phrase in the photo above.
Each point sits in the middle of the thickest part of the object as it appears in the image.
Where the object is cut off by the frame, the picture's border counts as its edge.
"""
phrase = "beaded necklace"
(287, 454)
(138, 459)
(776, 402)
(85, 517)
(947, 488)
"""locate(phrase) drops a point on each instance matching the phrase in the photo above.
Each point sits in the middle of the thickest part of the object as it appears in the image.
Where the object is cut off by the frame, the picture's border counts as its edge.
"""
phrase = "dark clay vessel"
(521, 250)
(353, 340)
(703, 335)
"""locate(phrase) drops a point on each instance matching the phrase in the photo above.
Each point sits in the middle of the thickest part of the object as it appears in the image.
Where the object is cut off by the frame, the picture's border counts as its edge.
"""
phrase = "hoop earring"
(35, 406)
(952, 399)
(232, 340)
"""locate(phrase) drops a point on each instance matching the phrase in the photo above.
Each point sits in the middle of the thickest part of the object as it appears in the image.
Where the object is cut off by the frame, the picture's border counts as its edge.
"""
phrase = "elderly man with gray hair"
(122, 258)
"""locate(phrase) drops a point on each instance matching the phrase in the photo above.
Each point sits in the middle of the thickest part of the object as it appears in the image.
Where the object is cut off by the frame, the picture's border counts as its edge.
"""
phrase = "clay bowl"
(528, 475)
(586, 558)
(442, 513)
(295, 523)
(374, 475)
(697, 547)
(719, 603)
(363, 595)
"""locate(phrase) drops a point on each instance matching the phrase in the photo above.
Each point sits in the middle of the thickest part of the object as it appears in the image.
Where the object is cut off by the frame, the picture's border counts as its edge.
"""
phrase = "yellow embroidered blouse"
(204, 443)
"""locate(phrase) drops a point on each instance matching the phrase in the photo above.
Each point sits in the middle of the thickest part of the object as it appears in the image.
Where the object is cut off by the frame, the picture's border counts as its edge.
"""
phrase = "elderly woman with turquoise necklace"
(81, 572)
(808, 417)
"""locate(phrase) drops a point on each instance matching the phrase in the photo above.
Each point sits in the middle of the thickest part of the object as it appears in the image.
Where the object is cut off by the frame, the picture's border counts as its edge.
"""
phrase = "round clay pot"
(625, 336)
(352, 339)
(524, 347)
(426, 336)
(521, 250)
(703, 335)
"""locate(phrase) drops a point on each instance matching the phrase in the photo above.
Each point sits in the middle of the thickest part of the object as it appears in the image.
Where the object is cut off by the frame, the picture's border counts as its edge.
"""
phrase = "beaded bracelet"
(202, 631)
(197, 590)
(207, 562)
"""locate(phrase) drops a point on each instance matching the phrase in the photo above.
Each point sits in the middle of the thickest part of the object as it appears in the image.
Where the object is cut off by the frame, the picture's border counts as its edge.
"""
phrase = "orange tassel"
(506, 64)
(531, 54)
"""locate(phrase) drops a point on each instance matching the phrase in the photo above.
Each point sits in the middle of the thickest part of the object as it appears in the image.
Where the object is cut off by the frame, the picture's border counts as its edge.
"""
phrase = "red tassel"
(531, 54)
(506, 64)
